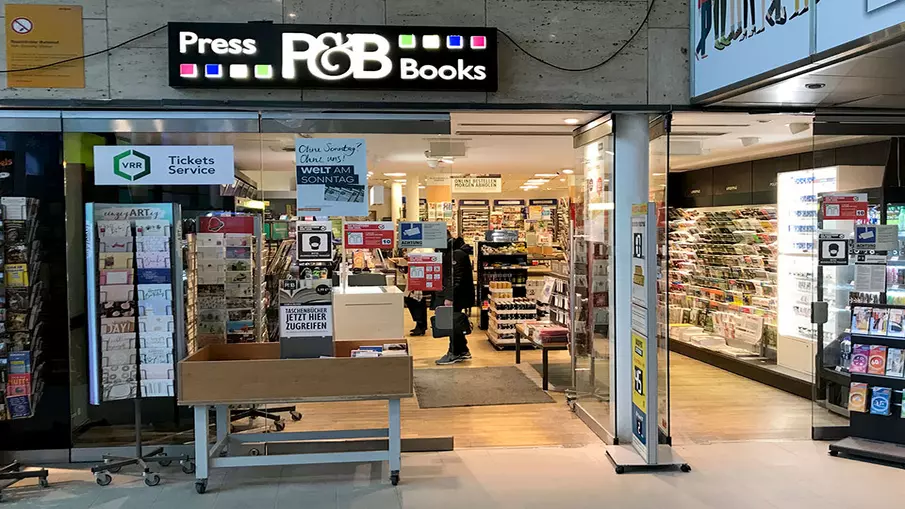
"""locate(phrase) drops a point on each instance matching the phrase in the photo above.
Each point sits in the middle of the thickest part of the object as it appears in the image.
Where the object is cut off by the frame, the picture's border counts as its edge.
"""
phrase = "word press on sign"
(429, 234)
(173, 165)
(477, 185)
(845, 207)
(369, 235)
(258, 55)
(331, 176)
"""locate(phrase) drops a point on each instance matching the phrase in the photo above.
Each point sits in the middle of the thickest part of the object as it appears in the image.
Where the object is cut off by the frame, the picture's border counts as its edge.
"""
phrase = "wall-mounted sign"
(168, 165)
(508, 203)
(37, 35)
(474, 203)
(314, 241)
(425, 234)
(543, 201)
(267, 56)
(878, 237)
(477, 185)
(331, 176)
(369, 235)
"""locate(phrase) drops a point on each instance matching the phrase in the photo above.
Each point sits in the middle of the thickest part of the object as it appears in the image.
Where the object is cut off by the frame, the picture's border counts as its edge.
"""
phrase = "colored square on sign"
(263, 71)
(454, 42)
(407, 41)
(431, 42)
(238, 71)
(213, 70)
(478, 42)
(188, 70)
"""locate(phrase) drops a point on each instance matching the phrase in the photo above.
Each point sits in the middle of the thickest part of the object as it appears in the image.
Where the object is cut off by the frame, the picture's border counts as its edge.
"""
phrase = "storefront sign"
(314, 241)
(833, 249)
(426, 234)
(425, 272)
(369, 235)
(845, 207)
(477, 185)
(166, 165)
(38, 35)
(306, 321)
(331, 176)
(877, 237)
(267, 56)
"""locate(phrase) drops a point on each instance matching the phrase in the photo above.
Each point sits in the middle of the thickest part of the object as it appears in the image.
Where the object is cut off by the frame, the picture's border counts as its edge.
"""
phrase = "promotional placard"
(424, 234)
(331, 176)
(167, 165)
(639, 388)
(845, 207)
(832, 249)
(268, 56)
(315, 320)
(314, 241)
(477, 185)
(369, 235)
(877, 237)
(425, 272)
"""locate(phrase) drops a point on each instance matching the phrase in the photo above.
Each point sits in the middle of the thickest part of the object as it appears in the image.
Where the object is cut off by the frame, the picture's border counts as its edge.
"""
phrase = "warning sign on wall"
(37, 35)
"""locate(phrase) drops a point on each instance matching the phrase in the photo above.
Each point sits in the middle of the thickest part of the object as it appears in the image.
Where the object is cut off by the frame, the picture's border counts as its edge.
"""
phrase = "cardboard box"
(254, 373)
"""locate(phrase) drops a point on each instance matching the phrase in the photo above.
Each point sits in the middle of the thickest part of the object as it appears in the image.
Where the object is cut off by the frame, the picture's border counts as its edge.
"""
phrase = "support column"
(630, 181)
(396, 201)
(412, 195)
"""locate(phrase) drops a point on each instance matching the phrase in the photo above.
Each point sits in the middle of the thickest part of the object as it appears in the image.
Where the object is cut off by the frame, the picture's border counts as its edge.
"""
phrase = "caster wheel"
(201, 486)
(254, 452)
(394, 478)
(620, 469)
(834, 453)
(296, 416)
(166, 463)
(279, 425)
(685, 467)
(43, 482)
(152, 479)
(103, 478)
(188, 467)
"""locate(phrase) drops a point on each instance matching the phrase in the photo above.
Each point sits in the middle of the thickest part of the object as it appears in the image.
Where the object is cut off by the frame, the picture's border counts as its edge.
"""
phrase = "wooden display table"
(221, 375)
(521, 331)
(368, 312)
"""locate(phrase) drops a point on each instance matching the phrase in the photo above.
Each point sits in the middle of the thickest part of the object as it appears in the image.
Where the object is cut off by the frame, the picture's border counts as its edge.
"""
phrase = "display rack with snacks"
(509, 215)
(498, 263)
(505, 312)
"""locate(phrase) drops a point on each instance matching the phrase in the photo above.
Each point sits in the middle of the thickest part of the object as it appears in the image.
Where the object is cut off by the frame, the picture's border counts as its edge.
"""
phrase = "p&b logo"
(131, 165)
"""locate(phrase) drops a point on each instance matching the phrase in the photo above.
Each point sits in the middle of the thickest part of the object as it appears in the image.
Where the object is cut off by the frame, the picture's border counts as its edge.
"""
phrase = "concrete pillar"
(630, 186)
(396, 201)
(411, 199)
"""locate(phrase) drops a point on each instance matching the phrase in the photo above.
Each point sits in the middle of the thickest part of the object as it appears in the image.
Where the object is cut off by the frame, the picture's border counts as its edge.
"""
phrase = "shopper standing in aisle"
(459, 292)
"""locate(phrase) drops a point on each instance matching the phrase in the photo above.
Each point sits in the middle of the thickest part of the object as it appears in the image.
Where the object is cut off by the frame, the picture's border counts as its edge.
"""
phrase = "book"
(895, 362)
(876, 362)
(860, 356)
(896, 323)
(879, 320)
(857, 397)
(861, 320)
(880, 400)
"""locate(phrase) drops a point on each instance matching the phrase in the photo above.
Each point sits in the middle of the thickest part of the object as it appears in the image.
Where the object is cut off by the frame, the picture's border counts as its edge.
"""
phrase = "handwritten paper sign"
(331, 175)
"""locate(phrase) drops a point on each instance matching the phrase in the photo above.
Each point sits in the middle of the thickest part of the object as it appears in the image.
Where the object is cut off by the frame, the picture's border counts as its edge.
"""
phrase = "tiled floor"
(769, 475)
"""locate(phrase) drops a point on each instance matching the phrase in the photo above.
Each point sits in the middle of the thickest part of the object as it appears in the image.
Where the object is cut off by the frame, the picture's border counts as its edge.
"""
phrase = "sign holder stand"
(644, 452)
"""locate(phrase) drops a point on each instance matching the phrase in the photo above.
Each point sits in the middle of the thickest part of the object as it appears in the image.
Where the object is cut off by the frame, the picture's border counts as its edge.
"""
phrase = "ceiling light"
(422, 187)
(814, 86)
(570, 121)
(397, 174)
(568, 171)
(529, 187)
(548, 175)
(562, 180)
(400, 181)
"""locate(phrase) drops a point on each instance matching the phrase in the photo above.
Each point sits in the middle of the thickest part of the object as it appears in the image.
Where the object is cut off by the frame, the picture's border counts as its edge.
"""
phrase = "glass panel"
(590, 280)
(659, 167)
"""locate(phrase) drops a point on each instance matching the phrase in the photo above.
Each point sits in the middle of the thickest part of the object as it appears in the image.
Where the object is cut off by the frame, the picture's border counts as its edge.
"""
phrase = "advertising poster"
(639, 391)
(841, 21)
(169, 165)
(424, 234)
(425, 272)
(331, 177)
(369, 235)
(734, 40)
(38, 35)
(314, 241)
(306, 321)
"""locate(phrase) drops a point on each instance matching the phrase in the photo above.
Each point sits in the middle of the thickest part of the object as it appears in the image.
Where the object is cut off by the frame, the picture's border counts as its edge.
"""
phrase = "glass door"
(658, 170)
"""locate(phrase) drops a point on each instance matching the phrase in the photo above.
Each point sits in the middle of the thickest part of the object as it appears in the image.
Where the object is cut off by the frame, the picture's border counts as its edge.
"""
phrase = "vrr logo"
(131, 165)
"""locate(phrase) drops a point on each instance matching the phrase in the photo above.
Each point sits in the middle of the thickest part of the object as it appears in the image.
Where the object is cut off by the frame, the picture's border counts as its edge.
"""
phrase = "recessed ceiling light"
(529, 187)
(568, 171)
(401, 181)
(570, 121)
(422, 187)
(814, 86)
(562, 180)
(397, 174)
(547, 175)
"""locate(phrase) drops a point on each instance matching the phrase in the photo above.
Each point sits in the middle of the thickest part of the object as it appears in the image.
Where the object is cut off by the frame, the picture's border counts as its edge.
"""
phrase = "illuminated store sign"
(266, 56)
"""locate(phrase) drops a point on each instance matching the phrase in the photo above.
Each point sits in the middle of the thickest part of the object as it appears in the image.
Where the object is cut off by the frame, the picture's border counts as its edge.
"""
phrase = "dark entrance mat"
(454, 387)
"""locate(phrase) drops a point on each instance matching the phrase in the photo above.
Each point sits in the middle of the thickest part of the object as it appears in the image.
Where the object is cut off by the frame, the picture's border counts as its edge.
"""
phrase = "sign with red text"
(369, 235)
(845, 207)
(425, 272)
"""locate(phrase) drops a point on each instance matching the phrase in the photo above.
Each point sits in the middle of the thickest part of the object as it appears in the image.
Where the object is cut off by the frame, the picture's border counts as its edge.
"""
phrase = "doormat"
(454, 387)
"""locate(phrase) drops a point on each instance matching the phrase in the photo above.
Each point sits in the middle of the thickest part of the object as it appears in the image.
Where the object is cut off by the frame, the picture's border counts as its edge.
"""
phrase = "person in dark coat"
(459, 292)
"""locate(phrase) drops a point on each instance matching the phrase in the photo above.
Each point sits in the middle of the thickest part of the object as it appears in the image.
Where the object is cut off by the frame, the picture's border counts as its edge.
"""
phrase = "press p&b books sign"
(331, 176)
(166, 165)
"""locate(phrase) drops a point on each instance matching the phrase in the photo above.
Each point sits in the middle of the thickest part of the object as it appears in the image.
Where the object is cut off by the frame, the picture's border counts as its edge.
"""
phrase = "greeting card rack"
(875, 361)
(135, 325)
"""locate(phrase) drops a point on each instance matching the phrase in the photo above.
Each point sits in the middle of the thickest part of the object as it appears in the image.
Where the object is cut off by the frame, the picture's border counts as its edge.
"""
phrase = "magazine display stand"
(135, 325)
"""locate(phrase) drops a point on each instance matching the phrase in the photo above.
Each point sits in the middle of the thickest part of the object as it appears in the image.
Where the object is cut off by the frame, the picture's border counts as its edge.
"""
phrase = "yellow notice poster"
(42, 34)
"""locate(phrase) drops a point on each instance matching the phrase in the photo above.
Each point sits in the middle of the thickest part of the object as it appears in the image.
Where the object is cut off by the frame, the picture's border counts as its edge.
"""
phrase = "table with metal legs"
(209, 456)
